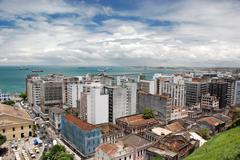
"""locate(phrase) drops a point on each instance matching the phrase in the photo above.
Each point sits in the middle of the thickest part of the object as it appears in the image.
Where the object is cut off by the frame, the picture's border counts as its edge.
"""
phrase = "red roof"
(78, 122)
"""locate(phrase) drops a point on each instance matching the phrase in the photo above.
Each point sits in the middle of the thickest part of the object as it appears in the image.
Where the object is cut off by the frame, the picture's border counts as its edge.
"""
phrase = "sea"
(13, 78)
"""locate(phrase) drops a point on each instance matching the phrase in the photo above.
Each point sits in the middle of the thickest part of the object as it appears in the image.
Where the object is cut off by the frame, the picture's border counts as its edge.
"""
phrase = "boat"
(37, 71)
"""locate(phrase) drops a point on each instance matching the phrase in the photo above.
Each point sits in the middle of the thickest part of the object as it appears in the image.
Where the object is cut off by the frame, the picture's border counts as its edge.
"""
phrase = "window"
(3, 130)
(30, 126)
(125, 158)
(13, 129)
(130, 157)
(21, 127)
(14, 136)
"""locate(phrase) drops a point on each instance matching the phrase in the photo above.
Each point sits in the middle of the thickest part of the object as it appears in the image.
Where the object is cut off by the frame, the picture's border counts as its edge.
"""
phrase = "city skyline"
(114, 33)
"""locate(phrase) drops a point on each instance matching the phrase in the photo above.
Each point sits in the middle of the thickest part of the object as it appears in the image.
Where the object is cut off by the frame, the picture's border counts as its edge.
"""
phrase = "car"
(33, 156)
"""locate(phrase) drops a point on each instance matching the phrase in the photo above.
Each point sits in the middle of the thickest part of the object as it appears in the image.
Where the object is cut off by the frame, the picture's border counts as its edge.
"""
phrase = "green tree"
(2, 139)
(148, 113)
(23, 96)
(204, 133)
(9, 102)
(57, 152)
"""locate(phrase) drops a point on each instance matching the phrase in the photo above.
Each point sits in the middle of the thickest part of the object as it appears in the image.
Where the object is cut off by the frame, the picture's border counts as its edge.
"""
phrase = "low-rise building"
(131, 147)
(80, 135)
(175, 127)
(135, 123)
(110, 132)
(209, 104)
(178, 113)
(15, 123)
(156, 133)
(4, 96)
(213, 124)
(173, 146)
(55, 115)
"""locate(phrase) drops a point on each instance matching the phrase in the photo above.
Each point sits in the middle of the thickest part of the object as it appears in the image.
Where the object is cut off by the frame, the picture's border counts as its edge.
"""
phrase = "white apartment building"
(148, 86)
(174, 86)
(73, 94)
(131, 98)
(209, 102)
(94, 104)
(4, 96)
(34, 90)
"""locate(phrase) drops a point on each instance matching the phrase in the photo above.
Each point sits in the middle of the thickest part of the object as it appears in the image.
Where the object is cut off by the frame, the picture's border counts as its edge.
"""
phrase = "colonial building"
(131, 147)
(15, 123)
(135, 123)
(110, 132)
(55, 115)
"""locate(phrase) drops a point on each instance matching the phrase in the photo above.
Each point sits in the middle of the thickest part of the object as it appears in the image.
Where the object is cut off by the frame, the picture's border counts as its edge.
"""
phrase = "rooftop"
(134, 141)
(57, 110)
(211, 120)
(109, 149)
(14, 111)
(107, 128)
(175, 126)
(161, 131)
(78, 122)
(137, 120)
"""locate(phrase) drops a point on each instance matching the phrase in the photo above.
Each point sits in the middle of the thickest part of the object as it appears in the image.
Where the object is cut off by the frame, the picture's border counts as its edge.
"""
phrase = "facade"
(173, 86)
(117, 102)
(230, 90)
(110, 133)
(131, 147)
(55, 114)
(94, 105)
(131, 97)
(4, 96)
(237, 93)
(148, 86)
(209, 103)
(33, 86)
(135, 124)
(15, 123)
(194, 92)
(214, 125)
(73, 94)
(219, 89)
(80, 135)
(161, 104)
(178, 113)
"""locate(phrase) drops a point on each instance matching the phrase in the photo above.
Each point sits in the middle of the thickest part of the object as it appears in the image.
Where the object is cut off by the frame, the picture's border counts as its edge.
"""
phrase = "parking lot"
(22, 149)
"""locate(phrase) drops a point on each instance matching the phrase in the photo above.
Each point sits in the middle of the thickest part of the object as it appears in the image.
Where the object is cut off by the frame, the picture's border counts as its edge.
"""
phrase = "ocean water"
(13, 80)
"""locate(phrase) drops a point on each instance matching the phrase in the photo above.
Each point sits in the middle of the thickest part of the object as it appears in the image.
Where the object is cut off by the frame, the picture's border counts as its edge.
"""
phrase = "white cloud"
(206, 34)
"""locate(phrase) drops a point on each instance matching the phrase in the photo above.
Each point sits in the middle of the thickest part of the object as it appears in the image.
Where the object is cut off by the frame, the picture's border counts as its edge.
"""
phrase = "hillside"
(224, 146)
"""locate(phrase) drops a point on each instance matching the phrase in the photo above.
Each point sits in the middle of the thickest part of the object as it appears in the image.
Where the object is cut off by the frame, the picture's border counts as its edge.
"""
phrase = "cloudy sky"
(120, 32)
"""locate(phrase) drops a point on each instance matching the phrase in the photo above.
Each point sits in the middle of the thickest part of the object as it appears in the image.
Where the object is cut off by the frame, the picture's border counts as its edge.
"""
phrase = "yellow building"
(15, 122)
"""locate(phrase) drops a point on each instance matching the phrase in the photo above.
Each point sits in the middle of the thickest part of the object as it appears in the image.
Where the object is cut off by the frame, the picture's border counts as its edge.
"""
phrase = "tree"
(23, 96)
(204, 133)
(9, 102)
(2, 139)
(148, 113)
(57, 152)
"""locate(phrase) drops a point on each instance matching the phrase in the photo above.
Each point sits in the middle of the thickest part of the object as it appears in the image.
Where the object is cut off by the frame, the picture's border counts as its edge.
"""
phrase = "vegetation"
(224, 146)
(9, 102)
(148, 113)
(57, 152)
(2, 139)
(23, 96)
(204, 133)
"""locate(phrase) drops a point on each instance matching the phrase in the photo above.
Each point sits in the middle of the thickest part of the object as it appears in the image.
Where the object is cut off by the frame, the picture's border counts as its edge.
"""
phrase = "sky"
(189, 33)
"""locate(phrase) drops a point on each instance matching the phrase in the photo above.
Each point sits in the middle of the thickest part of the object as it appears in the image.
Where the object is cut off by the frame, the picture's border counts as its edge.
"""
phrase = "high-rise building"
(148, 86)
(218, 88)
(160, 104)
(33, 89)
(230, 90)
(117, 102)
(194, 91)
(237, 93)
(174, 86)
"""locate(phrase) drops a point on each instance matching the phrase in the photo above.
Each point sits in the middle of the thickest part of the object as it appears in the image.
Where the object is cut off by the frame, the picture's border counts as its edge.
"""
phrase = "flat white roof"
(161, 131)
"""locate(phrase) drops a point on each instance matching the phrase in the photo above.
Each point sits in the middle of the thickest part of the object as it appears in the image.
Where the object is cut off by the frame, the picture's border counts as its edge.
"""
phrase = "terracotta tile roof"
(174, 127)
(211, 120)
(78, 122)
(137, 120)
(108, 128)
(14, 111)
(109, 149)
